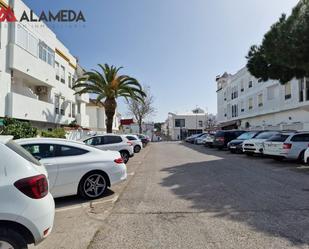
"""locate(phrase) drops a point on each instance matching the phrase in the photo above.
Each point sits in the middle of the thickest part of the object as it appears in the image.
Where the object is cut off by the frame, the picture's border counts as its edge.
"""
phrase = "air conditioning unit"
(41, 90)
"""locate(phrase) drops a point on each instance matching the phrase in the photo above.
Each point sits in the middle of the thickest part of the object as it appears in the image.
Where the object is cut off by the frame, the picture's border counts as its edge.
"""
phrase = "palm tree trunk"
(140, 126)
(110, 108)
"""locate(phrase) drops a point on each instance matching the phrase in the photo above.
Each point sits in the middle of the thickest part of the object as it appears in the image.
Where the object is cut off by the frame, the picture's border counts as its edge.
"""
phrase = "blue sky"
(177, 47)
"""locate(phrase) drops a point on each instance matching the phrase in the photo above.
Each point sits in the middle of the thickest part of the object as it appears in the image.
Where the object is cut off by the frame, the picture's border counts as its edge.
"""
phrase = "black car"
(222, 138)
(235, 146)
(145, 139)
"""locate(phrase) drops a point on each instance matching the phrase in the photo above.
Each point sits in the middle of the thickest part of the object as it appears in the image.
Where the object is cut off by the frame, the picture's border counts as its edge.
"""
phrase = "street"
(188, 196)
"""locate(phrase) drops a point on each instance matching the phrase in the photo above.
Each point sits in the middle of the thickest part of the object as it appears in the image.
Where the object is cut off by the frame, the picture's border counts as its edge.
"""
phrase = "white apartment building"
(97, 117)
(246, 103)
(181, 125)
(36, 74)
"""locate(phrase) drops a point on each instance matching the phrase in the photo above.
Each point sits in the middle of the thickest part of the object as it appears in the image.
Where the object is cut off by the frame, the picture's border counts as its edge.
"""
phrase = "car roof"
(5, 139)
(46, 140)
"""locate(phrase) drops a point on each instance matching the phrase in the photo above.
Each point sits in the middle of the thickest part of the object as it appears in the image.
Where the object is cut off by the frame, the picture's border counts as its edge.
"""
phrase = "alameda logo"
(7, 14)
(60, 16)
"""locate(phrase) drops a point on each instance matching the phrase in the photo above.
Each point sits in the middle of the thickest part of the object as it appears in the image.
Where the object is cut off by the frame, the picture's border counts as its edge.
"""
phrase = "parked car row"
(279, 145)
(33, 171)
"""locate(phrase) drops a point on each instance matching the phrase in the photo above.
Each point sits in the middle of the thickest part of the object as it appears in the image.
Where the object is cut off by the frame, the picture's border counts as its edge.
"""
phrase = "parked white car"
(201, 139)
(137, 143)
(26, 208)
(113, 142)
(76, 168)
(255, 145)
(287, 145)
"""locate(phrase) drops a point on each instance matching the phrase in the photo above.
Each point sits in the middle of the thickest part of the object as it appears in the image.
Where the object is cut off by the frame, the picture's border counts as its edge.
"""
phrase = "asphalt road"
(185, 196)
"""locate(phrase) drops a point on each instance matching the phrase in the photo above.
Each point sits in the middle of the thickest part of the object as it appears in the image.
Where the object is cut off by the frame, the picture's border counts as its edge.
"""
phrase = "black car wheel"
(10, 239)
(137, 149)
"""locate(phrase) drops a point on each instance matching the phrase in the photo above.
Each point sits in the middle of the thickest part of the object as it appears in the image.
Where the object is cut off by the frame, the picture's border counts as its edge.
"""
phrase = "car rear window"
(266, 135)
(131, 138)
(22, 152)
(278, 138)
(219, 134)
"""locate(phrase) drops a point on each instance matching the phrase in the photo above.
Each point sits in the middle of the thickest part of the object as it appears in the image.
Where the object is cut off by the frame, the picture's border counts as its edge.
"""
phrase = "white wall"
(273, 112)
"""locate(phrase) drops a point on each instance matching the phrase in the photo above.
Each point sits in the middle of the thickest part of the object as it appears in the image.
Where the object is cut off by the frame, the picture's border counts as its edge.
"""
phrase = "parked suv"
(137, 143)
(291, 145)
(222, 138)
(255, 145)
(235, 146)
(113, 142)
(26, 208)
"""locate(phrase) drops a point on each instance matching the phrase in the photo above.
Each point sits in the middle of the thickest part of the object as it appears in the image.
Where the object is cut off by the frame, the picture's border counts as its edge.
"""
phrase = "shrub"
(18, 129)
(55, 133)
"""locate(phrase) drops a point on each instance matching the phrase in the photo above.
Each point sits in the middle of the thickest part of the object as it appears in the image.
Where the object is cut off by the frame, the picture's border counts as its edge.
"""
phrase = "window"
(70, 80)
(41, 151)
(46, 53)
(250, 84)
(242, 86)
(57, 103)
(224, 95)
(279, 138)
(301, 138)
(70, 151)
(57, 70)
(94, 141)
(307, 89)
(260, 100)
(200, 123)
(301, 86)
(250, 103)
(287, 90)
(112, 139)
(78, 108)
(271, 93)
(70, 109)
(131, 138)
(26, 40)
(22, 152)
(266, 135)
(62, 110)
(180, 123)
(62, 74)
(73, 110)
(242, 106)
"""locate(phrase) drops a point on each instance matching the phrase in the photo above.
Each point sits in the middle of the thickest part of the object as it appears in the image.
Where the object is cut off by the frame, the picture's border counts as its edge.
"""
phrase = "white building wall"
(274, 112)
(22, 72)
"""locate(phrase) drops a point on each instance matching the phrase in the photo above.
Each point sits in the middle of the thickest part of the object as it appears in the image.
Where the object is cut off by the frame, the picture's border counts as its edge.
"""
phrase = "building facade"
(245, 103)
(182, 125)
(97, 117)
(37, 73)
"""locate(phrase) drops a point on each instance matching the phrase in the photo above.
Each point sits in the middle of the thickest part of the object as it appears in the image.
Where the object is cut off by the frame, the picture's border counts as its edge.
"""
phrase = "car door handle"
(48, 164)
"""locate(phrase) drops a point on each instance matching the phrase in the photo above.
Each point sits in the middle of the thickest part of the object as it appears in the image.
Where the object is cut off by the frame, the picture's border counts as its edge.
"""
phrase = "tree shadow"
(258, 192)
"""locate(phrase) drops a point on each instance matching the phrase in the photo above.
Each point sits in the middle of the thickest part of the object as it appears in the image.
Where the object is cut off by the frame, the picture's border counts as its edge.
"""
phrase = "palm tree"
(108, 86)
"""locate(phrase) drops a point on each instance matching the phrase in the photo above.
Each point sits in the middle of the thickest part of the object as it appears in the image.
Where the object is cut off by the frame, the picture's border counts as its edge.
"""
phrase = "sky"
(177, 47)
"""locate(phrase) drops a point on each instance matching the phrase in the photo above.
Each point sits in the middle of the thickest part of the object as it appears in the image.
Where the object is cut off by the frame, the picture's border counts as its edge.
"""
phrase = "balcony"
(26, 108)
(23, 61)
(82, 98)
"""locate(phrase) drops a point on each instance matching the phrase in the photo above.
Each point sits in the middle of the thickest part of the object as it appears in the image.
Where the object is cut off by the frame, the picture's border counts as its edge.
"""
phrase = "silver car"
(287, 145)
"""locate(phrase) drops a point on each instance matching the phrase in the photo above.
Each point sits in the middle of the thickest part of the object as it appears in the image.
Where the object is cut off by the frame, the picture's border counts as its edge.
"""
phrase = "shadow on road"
(255, 191)
(75, 200)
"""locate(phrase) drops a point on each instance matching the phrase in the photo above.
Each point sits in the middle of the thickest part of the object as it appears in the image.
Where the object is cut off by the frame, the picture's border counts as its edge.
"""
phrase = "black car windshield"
(266, 135)
(247, 135)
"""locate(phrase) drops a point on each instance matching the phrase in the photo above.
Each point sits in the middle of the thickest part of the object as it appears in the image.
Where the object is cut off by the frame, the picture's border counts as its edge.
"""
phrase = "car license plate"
(233, 147)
